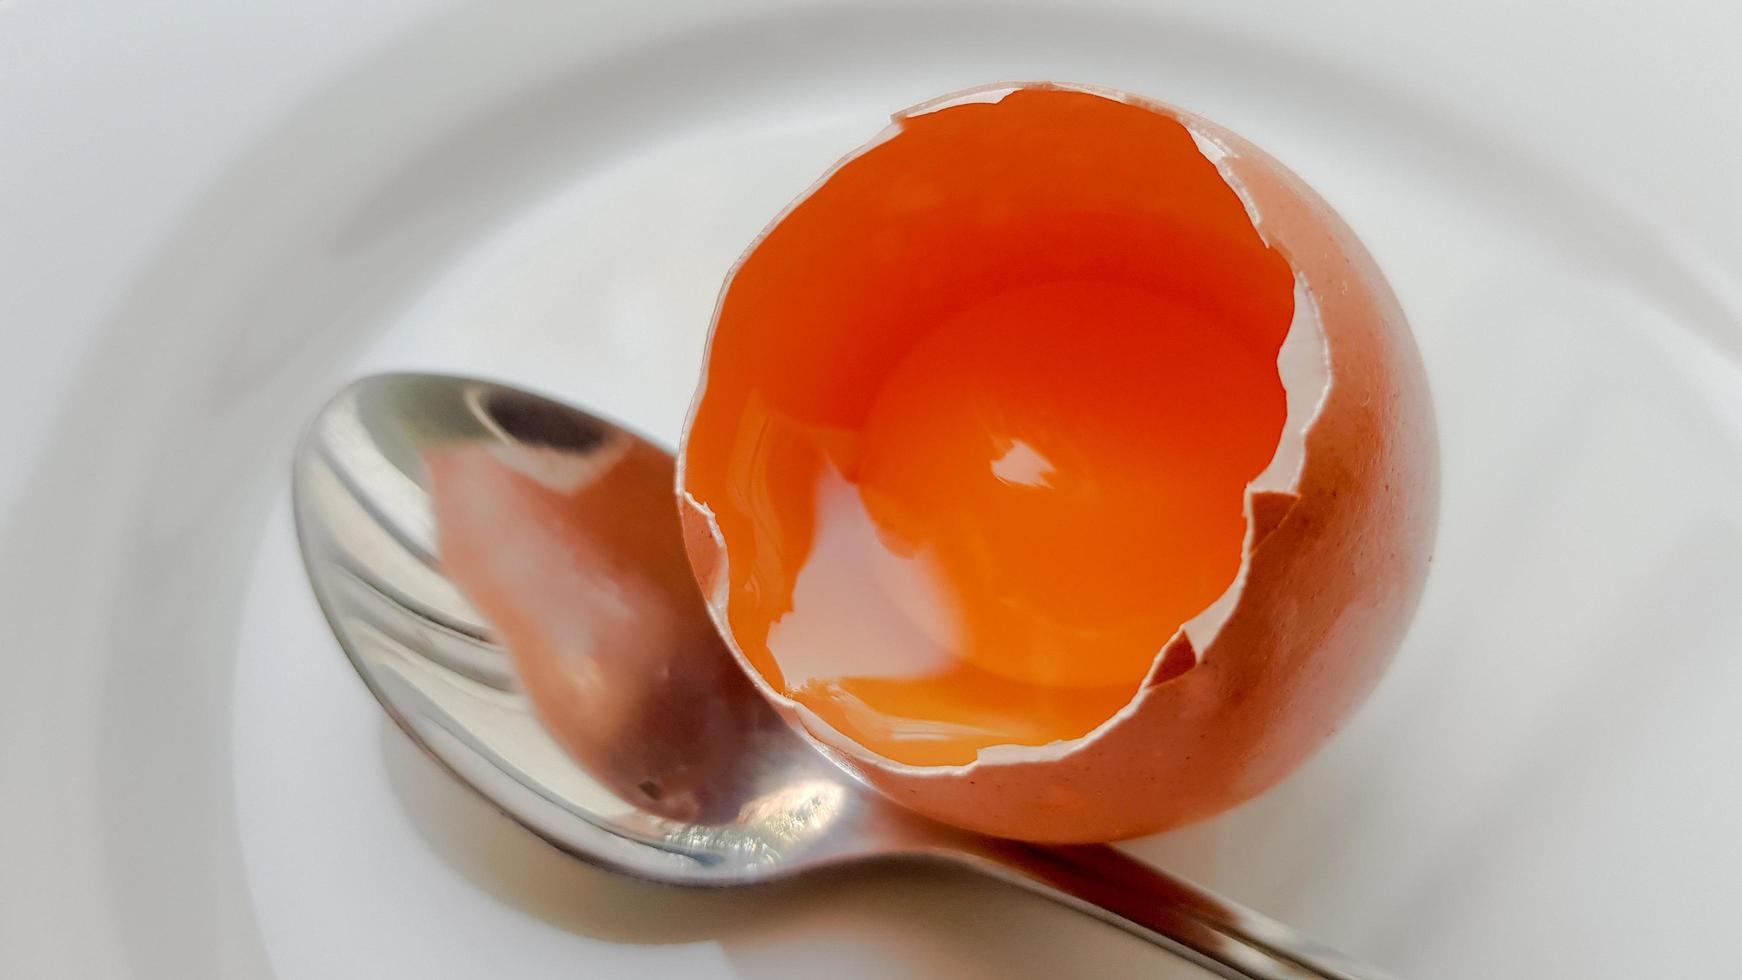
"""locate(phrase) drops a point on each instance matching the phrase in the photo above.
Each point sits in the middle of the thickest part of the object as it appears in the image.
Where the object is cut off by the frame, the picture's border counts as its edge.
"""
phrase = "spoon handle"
(1214, 933)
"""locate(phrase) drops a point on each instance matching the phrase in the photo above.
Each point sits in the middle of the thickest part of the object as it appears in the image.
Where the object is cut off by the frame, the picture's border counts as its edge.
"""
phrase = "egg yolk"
(979, 417)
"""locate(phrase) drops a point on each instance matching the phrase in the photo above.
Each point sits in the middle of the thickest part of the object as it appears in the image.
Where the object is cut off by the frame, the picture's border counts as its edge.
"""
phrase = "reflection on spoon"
(575, 560)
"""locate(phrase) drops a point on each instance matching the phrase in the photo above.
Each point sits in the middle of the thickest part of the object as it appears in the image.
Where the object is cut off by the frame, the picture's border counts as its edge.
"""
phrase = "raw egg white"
(1063, 463)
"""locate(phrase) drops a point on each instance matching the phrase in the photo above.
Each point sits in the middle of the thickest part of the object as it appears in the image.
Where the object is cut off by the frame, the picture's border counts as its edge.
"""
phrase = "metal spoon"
(660, 759)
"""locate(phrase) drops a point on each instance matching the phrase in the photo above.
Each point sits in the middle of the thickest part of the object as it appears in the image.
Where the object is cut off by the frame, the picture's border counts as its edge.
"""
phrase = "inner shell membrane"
(979, 417)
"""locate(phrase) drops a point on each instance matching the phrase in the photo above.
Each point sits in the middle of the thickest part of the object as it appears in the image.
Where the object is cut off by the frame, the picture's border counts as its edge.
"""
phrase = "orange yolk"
(979, 418)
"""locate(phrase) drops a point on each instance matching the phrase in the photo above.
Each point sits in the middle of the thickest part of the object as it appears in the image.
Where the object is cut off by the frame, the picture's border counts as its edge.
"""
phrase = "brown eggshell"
(1331, 577)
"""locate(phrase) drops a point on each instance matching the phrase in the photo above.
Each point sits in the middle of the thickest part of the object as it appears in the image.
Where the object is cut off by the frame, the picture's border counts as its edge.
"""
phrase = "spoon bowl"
(506, 573)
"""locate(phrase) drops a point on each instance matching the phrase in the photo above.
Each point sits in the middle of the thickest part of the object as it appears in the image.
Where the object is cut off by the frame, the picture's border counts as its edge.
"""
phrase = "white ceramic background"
(211, 214)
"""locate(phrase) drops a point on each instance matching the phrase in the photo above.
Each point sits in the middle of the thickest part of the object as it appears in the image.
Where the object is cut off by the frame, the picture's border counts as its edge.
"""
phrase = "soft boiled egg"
(1062, 463)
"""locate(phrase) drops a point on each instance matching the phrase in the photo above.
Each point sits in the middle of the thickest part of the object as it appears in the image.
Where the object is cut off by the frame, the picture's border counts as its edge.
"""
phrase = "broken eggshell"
(1339, 534)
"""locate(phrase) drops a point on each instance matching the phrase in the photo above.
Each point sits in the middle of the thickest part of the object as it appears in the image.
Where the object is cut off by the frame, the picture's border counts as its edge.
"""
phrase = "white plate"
(211, 215)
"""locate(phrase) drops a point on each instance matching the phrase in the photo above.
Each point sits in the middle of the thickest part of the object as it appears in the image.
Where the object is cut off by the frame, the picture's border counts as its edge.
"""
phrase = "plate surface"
(210, 231)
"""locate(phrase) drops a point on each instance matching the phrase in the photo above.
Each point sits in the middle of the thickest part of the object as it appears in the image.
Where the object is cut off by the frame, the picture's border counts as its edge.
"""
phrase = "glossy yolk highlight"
(979, 417)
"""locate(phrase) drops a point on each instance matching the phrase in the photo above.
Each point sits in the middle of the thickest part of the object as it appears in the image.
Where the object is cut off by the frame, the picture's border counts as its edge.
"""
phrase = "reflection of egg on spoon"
(1063, 463)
